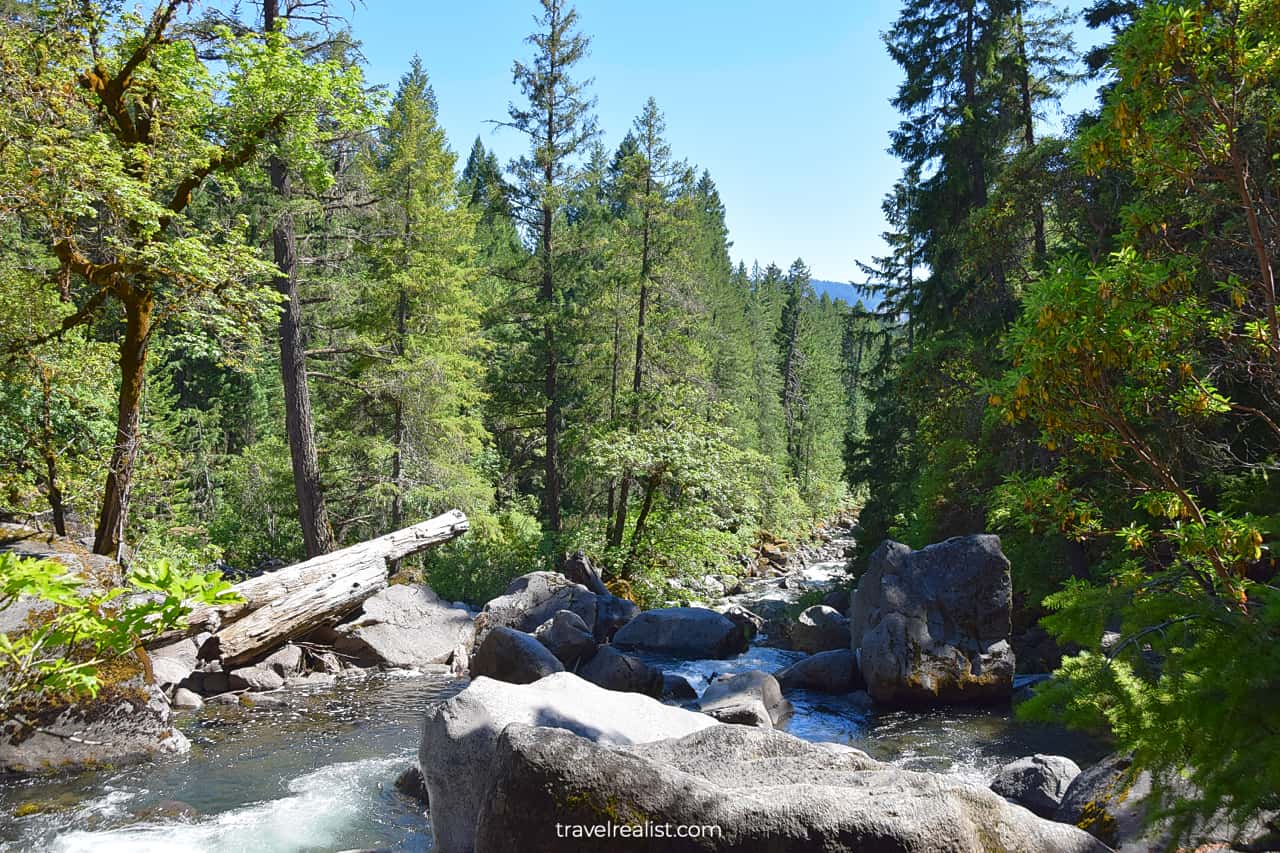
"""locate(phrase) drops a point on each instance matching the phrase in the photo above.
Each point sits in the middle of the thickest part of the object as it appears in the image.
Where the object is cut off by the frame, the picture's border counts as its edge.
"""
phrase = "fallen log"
(281, 605)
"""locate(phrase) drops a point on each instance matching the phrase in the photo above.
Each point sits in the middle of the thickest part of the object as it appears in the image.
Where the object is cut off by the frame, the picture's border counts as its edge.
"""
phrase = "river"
(318, 774)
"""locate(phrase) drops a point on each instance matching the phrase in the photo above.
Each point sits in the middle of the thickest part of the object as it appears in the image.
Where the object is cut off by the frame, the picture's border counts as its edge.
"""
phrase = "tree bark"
(313, 515)
(138, 305)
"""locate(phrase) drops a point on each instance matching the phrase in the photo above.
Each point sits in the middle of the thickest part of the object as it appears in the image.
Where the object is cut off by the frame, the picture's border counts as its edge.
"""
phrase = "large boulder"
(405, 625)
(578, 569)
(567, 637)
(129, 720)
(743, 789)
(460, 735)
(932, 626)
(820, 629)
(750, 698)
(513, 656)
(826, 672)
(533, 598)
(687, 631)
(1037, 782)
(612, 670)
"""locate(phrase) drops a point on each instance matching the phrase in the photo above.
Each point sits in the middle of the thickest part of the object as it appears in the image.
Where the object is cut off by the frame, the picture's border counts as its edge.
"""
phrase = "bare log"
(281, 605)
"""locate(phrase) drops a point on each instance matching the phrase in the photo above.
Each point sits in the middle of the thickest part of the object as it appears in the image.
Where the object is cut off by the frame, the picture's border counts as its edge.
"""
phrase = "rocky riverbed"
(313, 767)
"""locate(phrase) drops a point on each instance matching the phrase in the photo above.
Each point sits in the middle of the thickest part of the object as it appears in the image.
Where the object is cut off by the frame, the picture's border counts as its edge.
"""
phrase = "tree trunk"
(313, 515)
(138, 305)
(49, 452)
(281, 605)
(312, 512)
(1028, 125)
(551, 383)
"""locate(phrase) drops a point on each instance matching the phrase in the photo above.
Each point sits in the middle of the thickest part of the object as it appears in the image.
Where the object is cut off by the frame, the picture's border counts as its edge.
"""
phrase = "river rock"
(1037, 782)
(750, 698)
(513, 656)
(286, 662)
(460, 736)
(531, 600)
(578, 569)
(128, 720)
(676, 688)
(567, 637)
(932, 626)
(835, 671)
(412, 785)
(750, 623)
(820, 629)
(687, 631)
(760, 790)
(838, 599)
(404, 625)
(613, 670)
(612, 613)
(186, 699)
(259, 679)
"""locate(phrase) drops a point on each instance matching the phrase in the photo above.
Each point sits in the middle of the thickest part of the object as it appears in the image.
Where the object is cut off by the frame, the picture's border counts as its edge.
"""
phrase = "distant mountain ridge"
(839, 290)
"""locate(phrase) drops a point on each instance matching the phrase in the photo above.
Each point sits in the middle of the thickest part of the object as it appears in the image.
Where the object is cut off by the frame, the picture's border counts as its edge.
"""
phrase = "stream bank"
(317, 772)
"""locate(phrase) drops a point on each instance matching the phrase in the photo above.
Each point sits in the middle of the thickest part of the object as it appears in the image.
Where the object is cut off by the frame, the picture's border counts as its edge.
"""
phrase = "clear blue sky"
(786, 103)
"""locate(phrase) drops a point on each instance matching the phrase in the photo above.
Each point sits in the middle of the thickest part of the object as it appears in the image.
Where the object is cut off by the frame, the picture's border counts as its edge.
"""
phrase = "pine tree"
(557, 119)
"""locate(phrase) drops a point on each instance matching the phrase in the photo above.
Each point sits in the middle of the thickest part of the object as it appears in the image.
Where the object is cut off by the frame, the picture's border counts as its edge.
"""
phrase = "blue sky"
(787, 104)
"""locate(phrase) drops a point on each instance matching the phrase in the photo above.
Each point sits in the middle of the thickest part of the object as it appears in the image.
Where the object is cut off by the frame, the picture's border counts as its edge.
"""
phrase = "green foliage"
(77, 629)
(479, 566)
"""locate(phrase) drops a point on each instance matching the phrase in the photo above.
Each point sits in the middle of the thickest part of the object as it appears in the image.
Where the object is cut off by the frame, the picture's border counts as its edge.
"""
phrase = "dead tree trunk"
(281, 605)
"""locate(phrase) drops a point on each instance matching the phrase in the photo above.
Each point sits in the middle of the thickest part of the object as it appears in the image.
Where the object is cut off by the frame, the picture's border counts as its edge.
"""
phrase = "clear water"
(319, 775)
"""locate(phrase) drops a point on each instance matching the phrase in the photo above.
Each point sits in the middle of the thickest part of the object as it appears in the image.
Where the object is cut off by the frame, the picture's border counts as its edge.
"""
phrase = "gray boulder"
(567, 637)
(186, 699)
(613, 670)
(460, 737)
(259, 679)
(531, 600)
(676, 688)
(404, 625)
(752, 789)
(827, 672)
(612, 613)
(820, 629)
(286, 662)
(578, 569)
(513, 656)
(689, 631)
(932, 626)
(127, 721)
(749, 698)
(750, 623)
(1037, 782)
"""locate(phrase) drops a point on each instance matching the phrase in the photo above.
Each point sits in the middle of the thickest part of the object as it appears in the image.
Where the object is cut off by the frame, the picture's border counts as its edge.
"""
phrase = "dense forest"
(255, 309)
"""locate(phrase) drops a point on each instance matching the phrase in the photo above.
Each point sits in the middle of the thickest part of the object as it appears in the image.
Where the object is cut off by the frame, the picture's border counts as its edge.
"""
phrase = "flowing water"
(318, 775)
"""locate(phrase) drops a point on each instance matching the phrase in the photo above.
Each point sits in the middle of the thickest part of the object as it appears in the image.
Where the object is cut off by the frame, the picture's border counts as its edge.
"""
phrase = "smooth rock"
(932, 626)
(531, 600)
(751, 623)
(404, 625)
(186, 699)
(612, 670)
(286, 662)
(750, 698)
(567, 637)
(578, 569)
(1037, 782)
(513, 656)
(412, 785)
(762, 790)
(612, 613)
(169, 672)
(827, 672)
(127, 721)
(260, 679)
(686, 631)
(460, 736)
(677, 688)
(820, 629)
